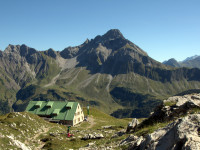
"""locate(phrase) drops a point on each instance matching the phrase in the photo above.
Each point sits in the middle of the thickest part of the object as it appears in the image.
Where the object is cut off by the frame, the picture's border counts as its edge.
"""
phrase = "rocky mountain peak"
(113, 34)
(190, 58)
(172, 62)
(51, 52)
(22, 50)
(86, 41)
(25, 50)
(12, 48)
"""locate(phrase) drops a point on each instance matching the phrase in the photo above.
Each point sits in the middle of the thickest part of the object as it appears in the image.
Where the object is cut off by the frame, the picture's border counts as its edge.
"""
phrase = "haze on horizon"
(164, 29)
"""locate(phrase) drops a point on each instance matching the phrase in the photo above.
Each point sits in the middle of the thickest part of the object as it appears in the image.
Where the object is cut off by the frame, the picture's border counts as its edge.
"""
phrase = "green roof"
(69, 104)
(39, 103)
(57, 107)
(50, 103)
(56, 111)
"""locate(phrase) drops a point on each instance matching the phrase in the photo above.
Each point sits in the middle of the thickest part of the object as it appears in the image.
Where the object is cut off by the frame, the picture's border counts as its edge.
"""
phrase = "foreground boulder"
(174, 107)
(93, 136)
(182, 134)
(132, 140)
(132, 125)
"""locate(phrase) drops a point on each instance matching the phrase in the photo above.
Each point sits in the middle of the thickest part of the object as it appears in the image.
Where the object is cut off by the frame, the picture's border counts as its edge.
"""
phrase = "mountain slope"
(109, 72)
(20, 66)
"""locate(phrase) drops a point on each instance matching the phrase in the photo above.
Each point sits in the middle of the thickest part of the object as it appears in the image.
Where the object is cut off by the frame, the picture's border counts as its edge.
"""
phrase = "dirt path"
(38, 134)
(27, 142)
(91, 122)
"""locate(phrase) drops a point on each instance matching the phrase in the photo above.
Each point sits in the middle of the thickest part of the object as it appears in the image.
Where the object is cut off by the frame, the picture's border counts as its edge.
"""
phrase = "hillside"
(173, 125)
(27, 131)
(108, 72)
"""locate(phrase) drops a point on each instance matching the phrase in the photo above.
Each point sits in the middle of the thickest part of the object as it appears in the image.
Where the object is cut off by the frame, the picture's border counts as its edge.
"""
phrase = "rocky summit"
(108, 72)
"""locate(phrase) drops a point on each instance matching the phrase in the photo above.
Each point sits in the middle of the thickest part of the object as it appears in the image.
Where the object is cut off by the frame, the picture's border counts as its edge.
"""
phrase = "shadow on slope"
(137, 104)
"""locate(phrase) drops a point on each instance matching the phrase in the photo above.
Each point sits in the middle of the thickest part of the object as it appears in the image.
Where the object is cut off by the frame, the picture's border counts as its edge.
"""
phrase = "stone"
(99, 136)
(196, 97)
(181, 134)
(132, 125)
(92, 136)
(117, 134)
(107, 127)
(129, 139)
(174, 107)
(90, 144)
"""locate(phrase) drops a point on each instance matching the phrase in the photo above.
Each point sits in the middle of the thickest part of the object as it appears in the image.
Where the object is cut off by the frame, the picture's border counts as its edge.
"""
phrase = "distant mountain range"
(108, 72)
(190, 62)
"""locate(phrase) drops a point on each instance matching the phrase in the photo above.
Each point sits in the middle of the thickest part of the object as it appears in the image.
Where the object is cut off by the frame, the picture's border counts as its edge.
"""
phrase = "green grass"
(51, 69)
(169, 103)
(28, 126)
(102, 119)
(25, 126)
(194, 111)
(150, 128)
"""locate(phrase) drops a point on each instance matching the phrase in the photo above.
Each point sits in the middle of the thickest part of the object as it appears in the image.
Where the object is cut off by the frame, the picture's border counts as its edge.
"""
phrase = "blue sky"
(163, 28)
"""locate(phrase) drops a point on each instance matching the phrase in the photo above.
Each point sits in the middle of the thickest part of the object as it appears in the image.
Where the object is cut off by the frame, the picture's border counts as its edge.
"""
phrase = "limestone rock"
(132, 125)
(174, 107)
(107, 127)
(93, 136)
(181, 134)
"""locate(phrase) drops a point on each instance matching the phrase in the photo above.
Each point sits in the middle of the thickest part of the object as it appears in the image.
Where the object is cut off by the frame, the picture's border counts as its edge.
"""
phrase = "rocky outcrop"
(50, 52)
(181, 134)
(133, 141)
(132, 125)
(93, 136)
(174, 107)
(181, 113)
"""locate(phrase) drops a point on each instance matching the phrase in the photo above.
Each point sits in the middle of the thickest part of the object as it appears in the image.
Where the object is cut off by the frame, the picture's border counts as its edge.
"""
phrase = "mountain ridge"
(190, 62)
(91, 73)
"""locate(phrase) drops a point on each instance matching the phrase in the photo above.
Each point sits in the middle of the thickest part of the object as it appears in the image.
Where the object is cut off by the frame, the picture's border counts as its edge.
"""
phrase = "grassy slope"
(94, 86)
(36, 133)
(23, 127)
(79, 85)
(51, 69)
(7, 93)
(30, 130)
